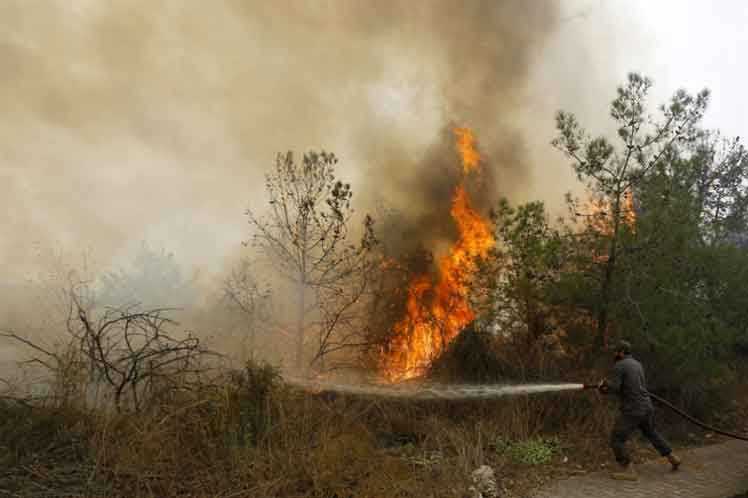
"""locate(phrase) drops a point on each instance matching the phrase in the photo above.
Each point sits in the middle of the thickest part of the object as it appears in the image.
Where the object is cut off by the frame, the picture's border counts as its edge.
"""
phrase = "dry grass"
(252, 436)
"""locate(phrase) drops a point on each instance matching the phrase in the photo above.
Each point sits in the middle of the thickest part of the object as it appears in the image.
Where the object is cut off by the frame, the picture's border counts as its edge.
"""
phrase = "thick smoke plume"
(476, 57)
(133, 120)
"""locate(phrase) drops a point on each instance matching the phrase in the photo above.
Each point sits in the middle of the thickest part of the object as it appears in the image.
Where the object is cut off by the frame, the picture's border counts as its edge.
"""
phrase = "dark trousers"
(626, 425)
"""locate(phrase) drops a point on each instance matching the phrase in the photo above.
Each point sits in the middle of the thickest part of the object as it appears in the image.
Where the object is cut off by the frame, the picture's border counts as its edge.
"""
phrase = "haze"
(125, 122)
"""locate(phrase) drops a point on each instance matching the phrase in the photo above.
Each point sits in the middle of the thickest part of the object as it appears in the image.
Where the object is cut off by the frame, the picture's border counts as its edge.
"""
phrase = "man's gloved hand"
(603, 387)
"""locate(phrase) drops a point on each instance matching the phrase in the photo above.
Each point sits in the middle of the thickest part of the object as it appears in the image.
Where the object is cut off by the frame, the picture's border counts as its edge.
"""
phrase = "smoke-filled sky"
(130, 120)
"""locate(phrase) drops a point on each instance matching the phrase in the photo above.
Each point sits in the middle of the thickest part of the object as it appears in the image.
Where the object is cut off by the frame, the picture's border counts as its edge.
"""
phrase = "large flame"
(436, 312)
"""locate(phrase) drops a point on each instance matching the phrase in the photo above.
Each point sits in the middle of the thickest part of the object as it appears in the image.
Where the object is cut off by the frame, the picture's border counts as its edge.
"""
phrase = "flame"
(436, 312)
(600, 216)
(629, 210)
(466, 148)
(600, 213)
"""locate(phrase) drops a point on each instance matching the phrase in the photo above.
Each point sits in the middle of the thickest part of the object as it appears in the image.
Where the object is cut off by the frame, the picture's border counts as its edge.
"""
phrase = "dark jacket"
(630, 384)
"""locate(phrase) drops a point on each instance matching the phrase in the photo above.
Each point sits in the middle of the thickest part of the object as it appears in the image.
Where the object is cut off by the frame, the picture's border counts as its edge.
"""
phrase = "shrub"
(249, 402)
(532, 451)
(470, 357)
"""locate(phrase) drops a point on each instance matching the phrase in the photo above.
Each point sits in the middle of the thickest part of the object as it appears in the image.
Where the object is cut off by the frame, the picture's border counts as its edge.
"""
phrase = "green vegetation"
(533, 451)
(657, 253)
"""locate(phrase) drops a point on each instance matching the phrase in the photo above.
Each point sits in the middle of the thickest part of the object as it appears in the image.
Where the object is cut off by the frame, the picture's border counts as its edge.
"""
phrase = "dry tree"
(126, 353)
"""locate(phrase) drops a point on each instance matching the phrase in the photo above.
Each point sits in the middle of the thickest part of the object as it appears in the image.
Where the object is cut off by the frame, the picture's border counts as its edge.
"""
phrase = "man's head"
(623, 348)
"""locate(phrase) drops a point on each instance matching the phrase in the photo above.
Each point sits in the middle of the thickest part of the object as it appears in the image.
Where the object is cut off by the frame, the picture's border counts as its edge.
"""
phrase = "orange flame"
(436, 312)
(629, 210)
(600, 218)
(601, 213)
(466, 148)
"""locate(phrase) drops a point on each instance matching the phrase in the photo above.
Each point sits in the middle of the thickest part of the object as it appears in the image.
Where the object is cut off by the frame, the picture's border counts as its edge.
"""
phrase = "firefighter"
(635, 412)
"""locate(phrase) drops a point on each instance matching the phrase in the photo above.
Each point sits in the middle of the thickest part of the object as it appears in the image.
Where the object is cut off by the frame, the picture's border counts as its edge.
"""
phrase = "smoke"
(126, 121)
(469, 64)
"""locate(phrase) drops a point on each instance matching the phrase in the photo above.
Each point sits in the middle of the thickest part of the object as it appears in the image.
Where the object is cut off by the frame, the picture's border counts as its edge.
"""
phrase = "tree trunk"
(602, 316)
(252, 338)
(301, 312)
(300, 325)
(607, 283)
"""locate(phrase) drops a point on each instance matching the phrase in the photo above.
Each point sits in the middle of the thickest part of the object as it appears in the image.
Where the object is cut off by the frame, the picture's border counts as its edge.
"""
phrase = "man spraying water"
(636, 412)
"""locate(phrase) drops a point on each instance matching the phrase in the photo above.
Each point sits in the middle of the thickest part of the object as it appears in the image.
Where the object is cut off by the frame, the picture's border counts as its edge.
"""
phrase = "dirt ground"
(592, 453)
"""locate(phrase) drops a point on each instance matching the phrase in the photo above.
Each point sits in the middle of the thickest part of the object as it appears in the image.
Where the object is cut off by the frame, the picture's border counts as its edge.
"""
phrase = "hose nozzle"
(600, 385)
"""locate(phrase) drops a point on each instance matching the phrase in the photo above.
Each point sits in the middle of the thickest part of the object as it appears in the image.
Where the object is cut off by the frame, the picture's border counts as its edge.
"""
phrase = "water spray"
(429, 391)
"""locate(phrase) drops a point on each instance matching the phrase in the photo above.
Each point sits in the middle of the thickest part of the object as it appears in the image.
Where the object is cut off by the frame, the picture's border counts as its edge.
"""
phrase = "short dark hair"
(623, 347)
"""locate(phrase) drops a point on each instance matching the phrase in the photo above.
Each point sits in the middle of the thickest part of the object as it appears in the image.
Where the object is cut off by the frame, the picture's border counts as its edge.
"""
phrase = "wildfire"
(466, 148)
(601, 213)
(629, 212)
(436, 312)
(601, 217)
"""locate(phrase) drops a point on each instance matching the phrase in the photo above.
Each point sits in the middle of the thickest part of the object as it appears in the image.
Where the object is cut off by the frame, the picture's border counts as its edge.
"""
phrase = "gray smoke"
(131, 120)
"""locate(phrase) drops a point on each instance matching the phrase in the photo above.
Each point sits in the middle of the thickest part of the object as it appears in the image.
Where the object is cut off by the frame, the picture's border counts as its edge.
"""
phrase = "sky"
(685, 43)
(689, 44)
(116, 131)
(700, 44)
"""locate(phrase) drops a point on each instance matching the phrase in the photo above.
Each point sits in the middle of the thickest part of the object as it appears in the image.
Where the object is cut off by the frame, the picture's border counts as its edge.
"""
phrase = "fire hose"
(682, 413)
